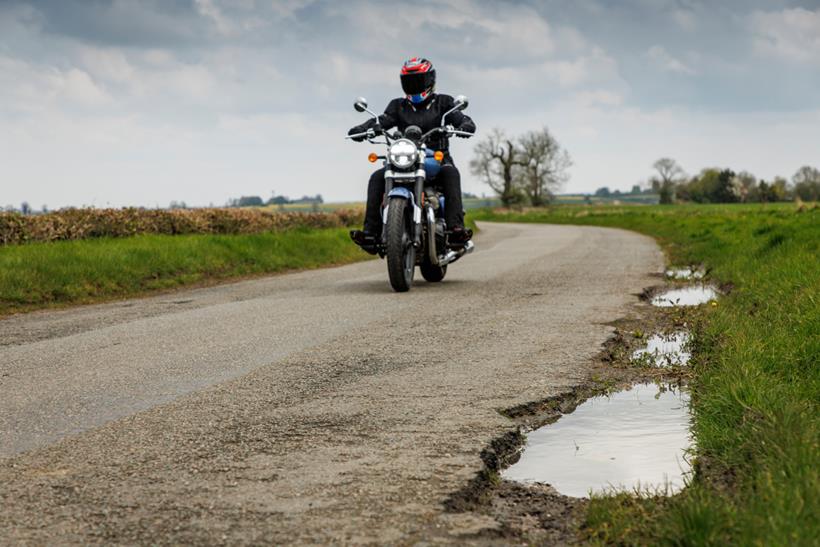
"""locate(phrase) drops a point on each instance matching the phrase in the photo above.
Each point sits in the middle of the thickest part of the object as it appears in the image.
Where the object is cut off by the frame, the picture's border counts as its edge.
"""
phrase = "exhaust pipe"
(452, 255)
(449, 256)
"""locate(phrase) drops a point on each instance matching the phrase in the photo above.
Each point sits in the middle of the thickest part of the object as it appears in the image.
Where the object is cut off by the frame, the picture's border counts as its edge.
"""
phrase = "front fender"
(402, 193)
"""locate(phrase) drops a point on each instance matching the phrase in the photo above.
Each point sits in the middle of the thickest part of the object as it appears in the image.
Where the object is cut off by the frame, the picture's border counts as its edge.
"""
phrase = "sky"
(144, 102)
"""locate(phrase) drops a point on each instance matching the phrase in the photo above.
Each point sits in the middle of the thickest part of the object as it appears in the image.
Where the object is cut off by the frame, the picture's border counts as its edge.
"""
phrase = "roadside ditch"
(625, 429)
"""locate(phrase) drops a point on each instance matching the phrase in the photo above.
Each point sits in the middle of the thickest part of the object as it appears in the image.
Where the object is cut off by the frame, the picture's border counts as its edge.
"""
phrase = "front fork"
(416, 202)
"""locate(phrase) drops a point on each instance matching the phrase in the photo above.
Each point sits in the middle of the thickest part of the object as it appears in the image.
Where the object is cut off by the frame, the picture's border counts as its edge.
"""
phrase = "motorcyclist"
(422, 107)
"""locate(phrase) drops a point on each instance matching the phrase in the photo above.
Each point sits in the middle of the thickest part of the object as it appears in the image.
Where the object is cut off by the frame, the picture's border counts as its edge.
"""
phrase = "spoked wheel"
(401, 255)
(432, 273)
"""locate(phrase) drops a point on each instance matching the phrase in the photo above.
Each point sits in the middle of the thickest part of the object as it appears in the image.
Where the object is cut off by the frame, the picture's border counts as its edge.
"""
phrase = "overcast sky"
(140, 102)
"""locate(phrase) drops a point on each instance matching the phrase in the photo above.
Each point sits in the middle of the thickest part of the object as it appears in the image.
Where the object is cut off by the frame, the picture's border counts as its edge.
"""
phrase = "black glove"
(356, 130)
(468, 129)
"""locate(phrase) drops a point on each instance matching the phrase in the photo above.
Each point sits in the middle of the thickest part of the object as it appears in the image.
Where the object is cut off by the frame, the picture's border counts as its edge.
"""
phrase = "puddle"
(635, 438)
(685, 273)
(665, 350)
(686, 296)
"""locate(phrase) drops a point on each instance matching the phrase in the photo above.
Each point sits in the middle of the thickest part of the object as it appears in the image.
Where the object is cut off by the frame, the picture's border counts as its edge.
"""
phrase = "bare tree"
(543, 165)
(668, 170)
(495, 162)
(669, 174)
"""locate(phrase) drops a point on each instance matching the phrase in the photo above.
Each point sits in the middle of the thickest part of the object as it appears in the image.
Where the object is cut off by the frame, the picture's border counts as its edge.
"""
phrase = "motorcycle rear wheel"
(401, 254)
(432, 273)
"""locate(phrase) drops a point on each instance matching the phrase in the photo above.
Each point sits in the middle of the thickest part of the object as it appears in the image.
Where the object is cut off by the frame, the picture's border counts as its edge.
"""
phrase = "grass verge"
(39, 275)
(756, 383)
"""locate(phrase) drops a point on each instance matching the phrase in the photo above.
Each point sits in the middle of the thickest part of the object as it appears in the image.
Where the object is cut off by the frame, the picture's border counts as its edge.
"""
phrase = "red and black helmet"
(418, 79)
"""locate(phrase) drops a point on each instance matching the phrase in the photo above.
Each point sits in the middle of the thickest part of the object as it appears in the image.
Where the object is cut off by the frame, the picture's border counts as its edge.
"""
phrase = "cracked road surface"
(315, 407)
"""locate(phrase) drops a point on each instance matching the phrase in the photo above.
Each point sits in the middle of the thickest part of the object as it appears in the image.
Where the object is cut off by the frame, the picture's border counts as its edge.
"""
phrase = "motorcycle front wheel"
(401, 255)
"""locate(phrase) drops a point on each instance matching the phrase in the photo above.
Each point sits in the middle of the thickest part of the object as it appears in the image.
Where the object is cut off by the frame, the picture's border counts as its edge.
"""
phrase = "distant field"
(643, 199)
(477, 203)
(757, 376)
(469, 204)
(312, 208)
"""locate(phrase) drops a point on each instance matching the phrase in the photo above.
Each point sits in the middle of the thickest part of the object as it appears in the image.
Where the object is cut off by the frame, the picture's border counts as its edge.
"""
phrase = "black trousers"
(448, 181)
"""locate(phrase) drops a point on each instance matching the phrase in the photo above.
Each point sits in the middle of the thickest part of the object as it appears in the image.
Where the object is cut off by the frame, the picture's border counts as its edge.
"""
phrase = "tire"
(401, 255)
(432, 273)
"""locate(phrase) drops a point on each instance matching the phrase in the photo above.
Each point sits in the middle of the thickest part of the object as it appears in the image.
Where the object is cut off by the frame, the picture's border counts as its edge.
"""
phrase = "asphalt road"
(305, 408)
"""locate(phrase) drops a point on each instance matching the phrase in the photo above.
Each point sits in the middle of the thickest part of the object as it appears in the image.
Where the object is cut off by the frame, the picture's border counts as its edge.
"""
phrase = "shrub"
(70, 224)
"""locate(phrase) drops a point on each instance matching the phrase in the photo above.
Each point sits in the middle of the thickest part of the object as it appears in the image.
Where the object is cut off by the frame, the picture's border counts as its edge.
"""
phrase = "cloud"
(599, 97)
(664, 60)
(685, 19)
(26, 87)
(790, 34)
(144, 101)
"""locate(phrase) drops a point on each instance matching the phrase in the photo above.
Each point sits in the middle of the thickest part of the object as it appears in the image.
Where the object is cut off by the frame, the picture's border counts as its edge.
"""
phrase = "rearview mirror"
(462, 102)
(360, 105)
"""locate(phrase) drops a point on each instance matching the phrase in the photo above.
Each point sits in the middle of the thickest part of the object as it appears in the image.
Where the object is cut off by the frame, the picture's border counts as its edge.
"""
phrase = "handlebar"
(459, 133)
(369, 134)
(449, 131)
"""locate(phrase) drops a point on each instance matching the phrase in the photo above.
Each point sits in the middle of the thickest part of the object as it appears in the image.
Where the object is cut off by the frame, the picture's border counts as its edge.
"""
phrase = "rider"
(422, 107)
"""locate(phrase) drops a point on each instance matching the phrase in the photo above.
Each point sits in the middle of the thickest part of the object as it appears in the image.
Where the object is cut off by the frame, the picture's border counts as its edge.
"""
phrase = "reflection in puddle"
(685, 273)
(687, 296)
(636, 438)
(665, 350)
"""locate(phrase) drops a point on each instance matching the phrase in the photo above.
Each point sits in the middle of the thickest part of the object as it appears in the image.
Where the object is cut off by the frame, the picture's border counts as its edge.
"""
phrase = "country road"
(314, 407)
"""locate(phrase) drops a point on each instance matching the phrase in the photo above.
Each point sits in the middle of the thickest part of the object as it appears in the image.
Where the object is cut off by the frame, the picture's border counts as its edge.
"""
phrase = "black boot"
(365, 240)
(459, 236)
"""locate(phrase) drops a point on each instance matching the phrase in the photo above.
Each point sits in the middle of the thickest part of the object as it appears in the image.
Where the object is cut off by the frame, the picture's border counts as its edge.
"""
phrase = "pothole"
(694, 295)
(635, 439)
(665, 350)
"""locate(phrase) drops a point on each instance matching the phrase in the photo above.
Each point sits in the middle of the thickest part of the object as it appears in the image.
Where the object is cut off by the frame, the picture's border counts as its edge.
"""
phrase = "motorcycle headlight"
(403, 154)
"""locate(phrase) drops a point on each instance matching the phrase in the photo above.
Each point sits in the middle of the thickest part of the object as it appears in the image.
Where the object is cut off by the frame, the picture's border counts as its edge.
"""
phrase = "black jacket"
(401, 113)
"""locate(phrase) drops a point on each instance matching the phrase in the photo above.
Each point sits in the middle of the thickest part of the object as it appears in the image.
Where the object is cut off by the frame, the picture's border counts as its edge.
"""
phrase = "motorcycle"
(414, 232)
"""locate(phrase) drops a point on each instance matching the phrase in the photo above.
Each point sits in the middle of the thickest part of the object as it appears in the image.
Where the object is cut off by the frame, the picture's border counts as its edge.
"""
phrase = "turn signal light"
(439, 156)
(372, 157)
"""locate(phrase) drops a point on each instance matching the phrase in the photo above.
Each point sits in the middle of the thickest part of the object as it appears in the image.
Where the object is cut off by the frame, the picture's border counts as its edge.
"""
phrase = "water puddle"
(665, 350)
(685, 273)
(633, 439)
(686, 296)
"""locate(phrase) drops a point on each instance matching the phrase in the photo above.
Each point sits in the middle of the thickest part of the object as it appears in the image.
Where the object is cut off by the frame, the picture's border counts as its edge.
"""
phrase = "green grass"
(67, 272)
(756, 384)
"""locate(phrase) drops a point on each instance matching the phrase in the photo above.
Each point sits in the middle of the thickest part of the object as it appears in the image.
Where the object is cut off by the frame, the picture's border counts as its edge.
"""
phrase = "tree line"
(716, 185)
(256, 201)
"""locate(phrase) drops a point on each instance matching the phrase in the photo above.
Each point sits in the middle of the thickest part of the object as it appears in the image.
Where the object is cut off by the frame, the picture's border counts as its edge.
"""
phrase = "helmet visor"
(413, 84)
